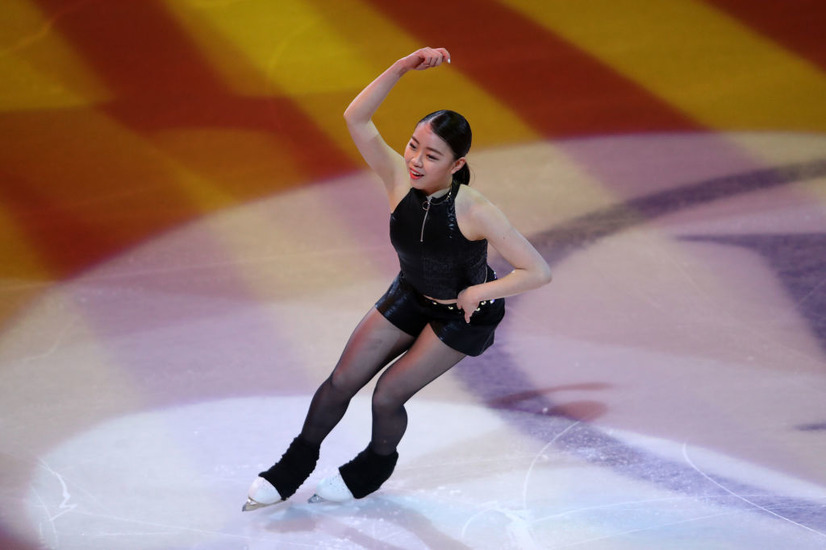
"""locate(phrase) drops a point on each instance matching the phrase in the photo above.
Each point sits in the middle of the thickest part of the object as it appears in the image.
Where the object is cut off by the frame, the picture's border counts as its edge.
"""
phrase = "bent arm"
(387, 163)
(530, 270)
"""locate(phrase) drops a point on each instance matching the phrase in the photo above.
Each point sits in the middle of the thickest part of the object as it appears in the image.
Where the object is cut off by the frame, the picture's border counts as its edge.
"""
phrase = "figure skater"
(444, 305)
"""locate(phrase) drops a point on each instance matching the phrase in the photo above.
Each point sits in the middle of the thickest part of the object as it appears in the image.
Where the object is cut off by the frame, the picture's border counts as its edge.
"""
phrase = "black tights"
(374, 344)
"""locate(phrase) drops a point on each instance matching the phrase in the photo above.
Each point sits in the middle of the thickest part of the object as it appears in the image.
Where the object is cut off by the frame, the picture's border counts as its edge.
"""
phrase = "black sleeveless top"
(433, 254)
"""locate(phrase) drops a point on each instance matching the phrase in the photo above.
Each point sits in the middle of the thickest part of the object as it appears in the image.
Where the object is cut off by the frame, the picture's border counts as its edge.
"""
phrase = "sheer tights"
(374, 344)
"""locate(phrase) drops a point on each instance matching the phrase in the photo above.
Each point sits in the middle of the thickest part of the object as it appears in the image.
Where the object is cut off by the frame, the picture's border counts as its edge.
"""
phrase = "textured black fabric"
(368, 471)
(295, 466)
(408, 310)
(433, 254)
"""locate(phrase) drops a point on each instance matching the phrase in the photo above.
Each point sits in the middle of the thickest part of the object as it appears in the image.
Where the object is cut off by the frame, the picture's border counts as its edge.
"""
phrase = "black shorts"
(408, 310)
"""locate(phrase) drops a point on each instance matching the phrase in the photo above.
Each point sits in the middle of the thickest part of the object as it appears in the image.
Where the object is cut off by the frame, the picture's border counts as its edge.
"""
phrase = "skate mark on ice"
(64, 505)
(166, 528)
(63, 508)
(520, 530)
(519, 527)
(492, 506)
(53, 348)
(644, 529)
(742, 497)
(42, 536)
(48, 528)
(537, 457)
(497, 373)
(803, 299)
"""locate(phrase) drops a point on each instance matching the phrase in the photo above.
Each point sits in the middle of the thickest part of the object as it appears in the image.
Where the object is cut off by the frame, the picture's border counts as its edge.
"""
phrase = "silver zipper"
(426, 207)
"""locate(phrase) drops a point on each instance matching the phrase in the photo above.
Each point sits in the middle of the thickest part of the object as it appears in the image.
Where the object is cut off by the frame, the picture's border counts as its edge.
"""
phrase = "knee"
(340, 385)
(386, 401)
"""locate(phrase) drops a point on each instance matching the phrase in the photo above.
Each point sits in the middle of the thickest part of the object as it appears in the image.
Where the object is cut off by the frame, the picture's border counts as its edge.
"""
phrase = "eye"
(412, 145)
(432, 157)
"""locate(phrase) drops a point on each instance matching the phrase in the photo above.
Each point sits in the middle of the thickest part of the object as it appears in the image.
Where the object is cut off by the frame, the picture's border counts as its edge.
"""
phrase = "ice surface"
(666, 391)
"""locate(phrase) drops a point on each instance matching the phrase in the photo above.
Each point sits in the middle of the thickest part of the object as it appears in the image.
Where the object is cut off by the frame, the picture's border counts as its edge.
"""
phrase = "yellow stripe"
(321, 54)
(698, 59)
(39, 69)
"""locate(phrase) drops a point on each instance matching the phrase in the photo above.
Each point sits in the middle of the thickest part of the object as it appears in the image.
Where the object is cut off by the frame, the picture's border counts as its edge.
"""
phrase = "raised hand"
(426, 58)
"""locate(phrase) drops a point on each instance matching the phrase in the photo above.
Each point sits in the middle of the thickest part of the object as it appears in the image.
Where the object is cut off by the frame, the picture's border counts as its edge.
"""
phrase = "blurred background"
(121, 120)
(180, 204)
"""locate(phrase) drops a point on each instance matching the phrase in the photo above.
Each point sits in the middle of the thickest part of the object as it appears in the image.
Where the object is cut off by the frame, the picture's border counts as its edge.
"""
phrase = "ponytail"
(462, 175)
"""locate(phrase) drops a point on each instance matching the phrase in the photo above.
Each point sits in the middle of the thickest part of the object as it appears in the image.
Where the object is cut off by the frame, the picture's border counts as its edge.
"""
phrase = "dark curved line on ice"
(495, 376)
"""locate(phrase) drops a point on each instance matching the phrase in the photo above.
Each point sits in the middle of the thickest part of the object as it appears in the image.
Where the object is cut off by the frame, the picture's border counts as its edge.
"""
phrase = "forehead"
(426, 137)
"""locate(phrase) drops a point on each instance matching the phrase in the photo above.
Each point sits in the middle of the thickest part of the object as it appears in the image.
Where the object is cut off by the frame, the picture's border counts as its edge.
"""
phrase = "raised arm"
(386, 162)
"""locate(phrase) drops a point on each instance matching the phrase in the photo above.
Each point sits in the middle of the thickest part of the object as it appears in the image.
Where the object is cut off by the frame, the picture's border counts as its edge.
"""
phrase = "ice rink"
(185, 257)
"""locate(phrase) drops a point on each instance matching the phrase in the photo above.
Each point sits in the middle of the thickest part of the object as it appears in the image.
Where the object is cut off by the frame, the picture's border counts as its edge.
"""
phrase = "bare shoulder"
(478, 218)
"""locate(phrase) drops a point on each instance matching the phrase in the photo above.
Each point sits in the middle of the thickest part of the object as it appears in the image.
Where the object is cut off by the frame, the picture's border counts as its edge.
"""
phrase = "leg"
(426, 360)
(374, 343)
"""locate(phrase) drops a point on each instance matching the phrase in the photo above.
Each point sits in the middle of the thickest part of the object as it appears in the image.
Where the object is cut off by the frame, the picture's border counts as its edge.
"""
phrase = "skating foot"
(332, 489)
(251, 505)
(261, 495)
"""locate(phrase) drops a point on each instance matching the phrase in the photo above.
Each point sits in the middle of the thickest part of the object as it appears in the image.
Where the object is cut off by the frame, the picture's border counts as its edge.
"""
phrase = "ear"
(457, 165)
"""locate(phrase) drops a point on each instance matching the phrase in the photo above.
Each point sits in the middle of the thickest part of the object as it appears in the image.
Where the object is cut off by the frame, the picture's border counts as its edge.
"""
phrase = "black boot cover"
(366, 473)
(295, 466)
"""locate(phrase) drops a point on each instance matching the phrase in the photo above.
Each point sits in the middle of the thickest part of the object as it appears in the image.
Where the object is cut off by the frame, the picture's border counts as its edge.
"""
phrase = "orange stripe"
(52, 225)
(146, 59)
(697, 59)
(798, 25)
(70, 183)
(555, 87)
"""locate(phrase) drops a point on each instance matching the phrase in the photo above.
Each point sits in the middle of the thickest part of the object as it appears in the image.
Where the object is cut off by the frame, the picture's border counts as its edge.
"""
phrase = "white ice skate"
(332, 489)
(261, 495)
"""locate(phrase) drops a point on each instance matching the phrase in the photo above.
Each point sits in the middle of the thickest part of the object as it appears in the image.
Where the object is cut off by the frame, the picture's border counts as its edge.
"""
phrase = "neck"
(440, 193)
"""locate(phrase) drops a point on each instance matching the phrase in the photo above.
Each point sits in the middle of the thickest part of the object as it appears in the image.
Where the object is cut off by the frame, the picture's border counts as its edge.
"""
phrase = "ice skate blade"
(251, 505)
(315, 499)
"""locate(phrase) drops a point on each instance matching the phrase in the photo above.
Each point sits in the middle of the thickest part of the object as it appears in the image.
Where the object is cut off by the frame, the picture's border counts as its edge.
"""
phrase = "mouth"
(414, 174)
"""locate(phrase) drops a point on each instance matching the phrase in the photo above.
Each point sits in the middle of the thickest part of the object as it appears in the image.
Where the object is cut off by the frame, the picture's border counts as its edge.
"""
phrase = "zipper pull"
(426, 208)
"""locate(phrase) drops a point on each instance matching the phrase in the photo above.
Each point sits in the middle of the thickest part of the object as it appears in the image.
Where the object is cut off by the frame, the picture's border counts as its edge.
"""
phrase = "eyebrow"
(426, 148)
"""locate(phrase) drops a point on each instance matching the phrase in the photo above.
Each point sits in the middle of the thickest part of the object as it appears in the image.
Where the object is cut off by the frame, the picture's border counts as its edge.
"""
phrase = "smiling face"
(430, 160)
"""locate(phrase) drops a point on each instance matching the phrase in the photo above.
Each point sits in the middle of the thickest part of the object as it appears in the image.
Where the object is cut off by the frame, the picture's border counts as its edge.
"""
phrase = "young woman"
(444, 305)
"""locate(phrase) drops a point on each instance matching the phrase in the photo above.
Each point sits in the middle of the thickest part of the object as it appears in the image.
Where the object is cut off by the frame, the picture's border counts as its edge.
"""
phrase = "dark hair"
(455, 130)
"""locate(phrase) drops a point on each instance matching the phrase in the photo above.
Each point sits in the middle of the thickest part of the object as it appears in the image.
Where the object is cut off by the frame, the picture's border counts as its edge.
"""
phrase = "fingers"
(445, 54)
(469, 310)
(431, 57)
(467, 304)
